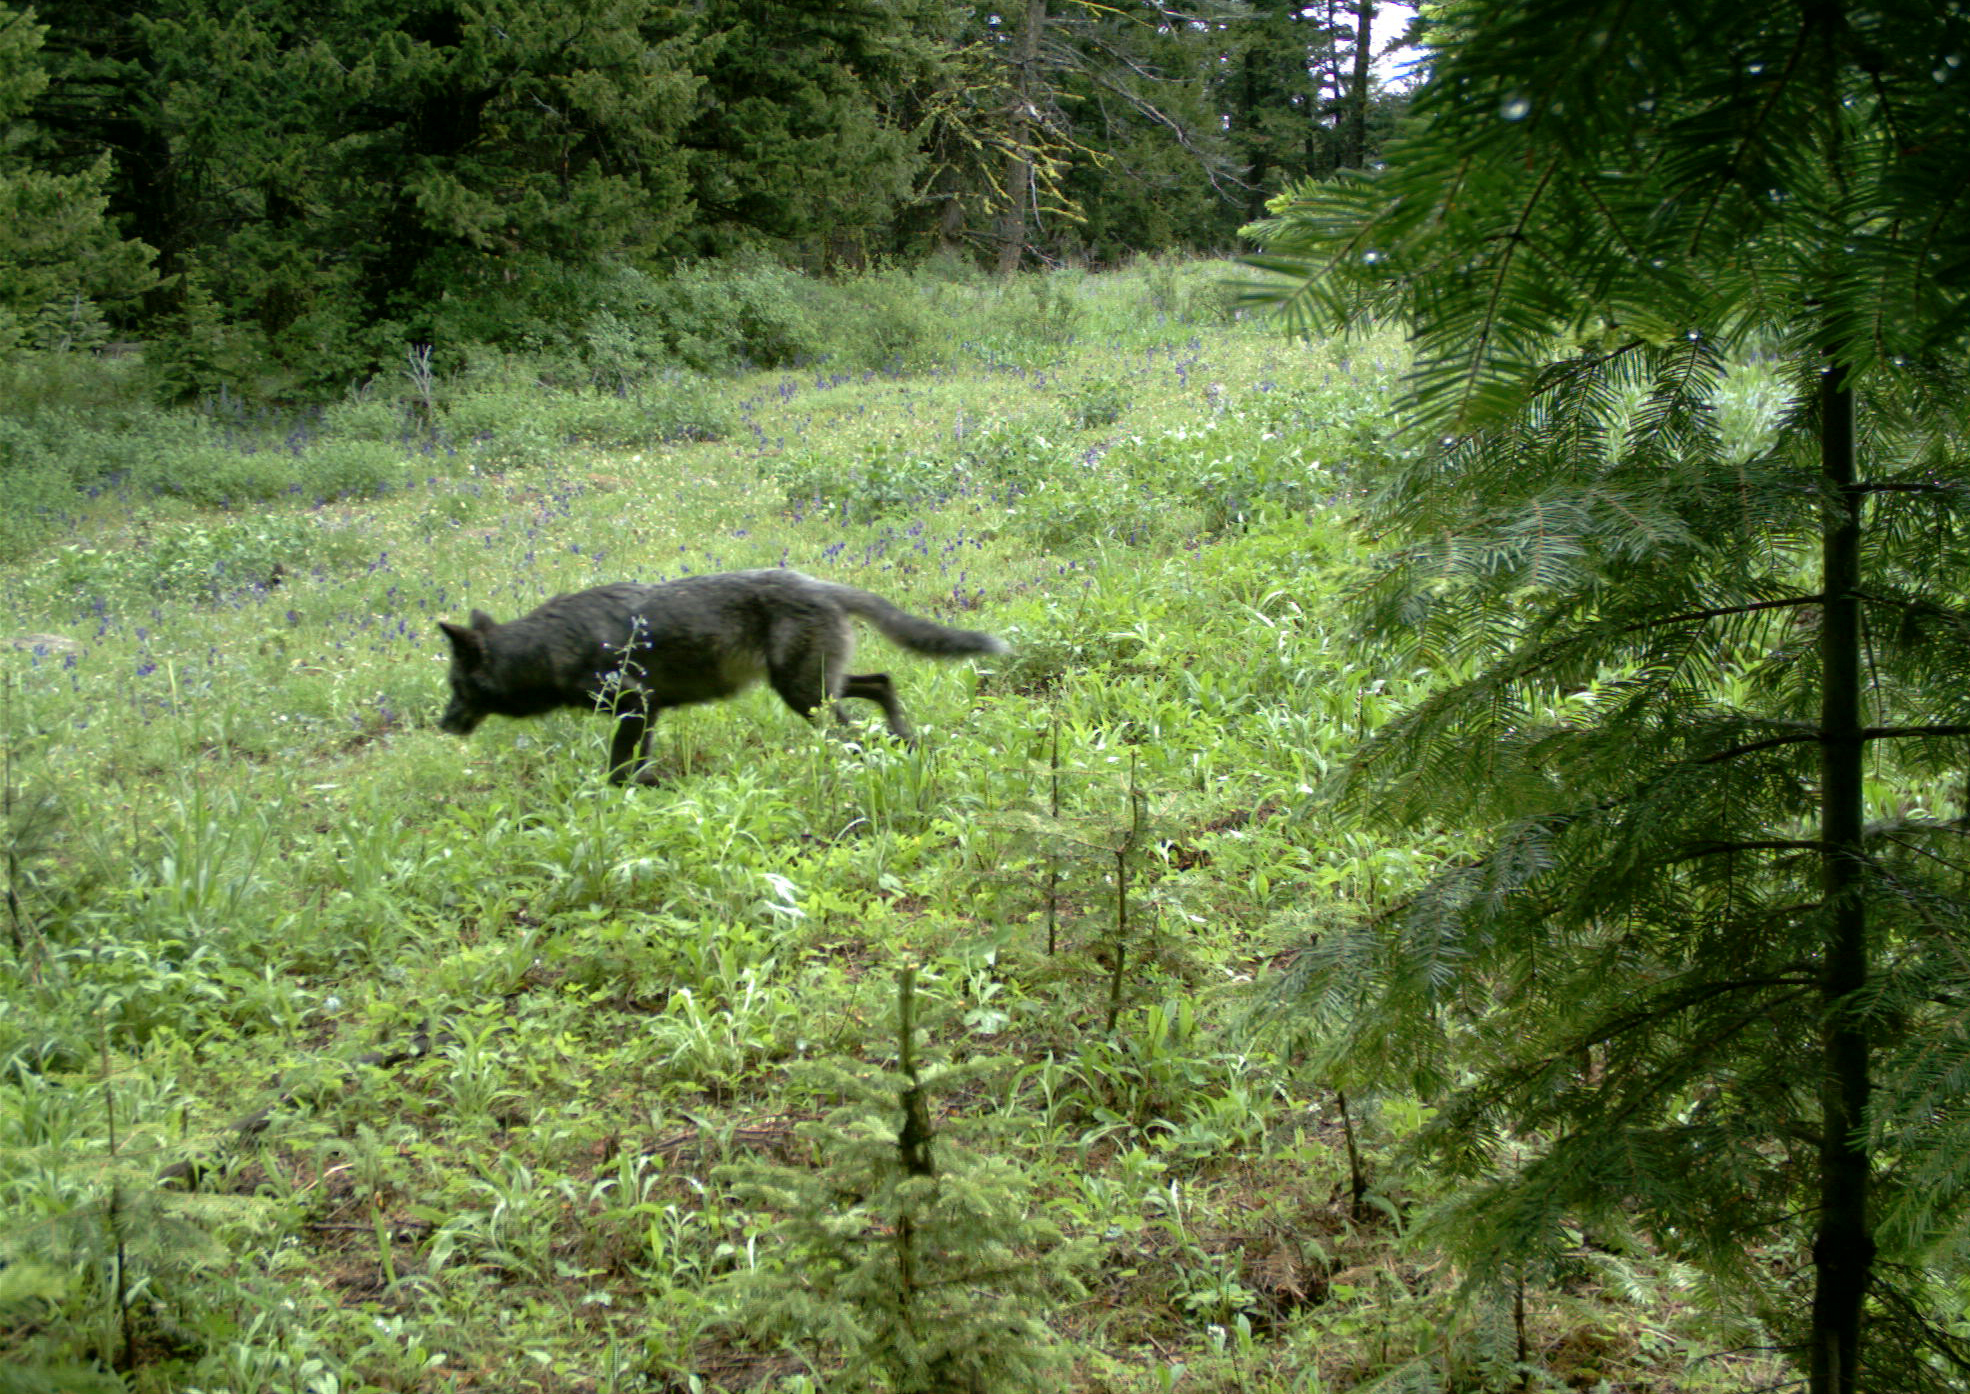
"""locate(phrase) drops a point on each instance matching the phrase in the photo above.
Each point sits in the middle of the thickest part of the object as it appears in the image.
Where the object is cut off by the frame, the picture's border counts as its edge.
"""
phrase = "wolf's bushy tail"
(913, 631)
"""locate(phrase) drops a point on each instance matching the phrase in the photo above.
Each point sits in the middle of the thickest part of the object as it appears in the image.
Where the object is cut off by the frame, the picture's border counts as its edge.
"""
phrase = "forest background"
(287, 195)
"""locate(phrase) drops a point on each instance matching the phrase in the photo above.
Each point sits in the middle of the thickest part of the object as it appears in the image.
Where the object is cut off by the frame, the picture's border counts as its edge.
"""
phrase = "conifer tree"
(1160, 174)
(914, 1259)
(1705, 974)
(802, 134)
(349, 176)
(59, 256)
(1287, 76)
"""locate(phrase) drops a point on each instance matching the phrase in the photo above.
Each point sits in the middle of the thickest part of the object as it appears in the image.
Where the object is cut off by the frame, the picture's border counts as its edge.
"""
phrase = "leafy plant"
(198, 559)
(862, 490)
(1099, 402)
(342, 469)
(678, 409)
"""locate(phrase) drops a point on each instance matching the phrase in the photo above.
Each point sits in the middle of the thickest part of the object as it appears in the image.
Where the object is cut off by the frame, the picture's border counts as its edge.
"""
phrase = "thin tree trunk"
(1356, 155)
(1256, 195)
(1357, 1173)
(1324, 152)
(1019, 159)
(1843, 1248)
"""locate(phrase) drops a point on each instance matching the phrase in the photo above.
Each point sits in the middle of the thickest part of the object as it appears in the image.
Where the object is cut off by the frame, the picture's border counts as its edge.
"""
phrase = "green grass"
(511, 1027)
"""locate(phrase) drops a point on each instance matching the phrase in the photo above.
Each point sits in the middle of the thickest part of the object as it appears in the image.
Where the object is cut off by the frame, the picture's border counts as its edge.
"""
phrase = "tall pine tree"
(1299, 95)
(59, 256)
(1706, 974)
(802, 138)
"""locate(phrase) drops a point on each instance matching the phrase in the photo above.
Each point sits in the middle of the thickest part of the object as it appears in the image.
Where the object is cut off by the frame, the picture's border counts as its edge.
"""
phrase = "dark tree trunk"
(1261, 162)
(1356, 143)
(1020, 135)
(1843, 1247)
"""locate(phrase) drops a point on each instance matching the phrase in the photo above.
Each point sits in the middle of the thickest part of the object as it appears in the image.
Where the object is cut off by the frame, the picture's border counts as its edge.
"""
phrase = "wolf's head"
(473, 695)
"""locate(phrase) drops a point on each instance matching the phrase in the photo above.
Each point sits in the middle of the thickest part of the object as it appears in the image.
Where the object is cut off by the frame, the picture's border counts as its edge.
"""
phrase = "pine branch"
(1896, 487)
(1735, 163)
(1867, 733)
(1720, 612)
(1714, 849)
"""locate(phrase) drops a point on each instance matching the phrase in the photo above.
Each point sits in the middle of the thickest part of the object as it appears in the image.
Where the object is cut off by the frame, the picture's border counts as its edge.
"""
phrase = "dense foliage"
(289, 195)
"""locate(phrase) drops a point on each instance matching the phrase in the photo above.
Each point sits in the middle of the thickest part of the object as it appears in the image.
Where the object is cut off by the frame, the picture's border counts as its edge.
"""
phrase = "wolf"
(633, 650)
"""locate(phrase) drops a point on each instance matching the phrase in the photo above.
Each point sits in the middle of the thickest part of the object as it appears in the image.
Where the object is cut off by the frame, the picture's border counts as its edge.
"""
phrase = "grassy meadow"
(342, 1055)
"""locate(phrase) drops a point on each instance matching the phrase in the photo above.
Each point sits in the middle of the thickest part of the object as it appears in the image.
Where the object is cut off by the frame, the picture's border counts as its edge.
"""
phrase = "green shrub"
(1012, 455)
(100, 383)
(335, 468)
(715, 318)
(1232, 474)
(453, 504)
(53, 462)
(603, 421)
(1188, 292)
(371, 418)
(1242, 486)
(689, 409)
(1026, 323)
(1097, 402)
(998, 458)
(887, 319)
(522, 427)
(525, 445)
(574, 323)
(1338, 421)
(618, 353)
(217, 476)
(104, 455)
(200, 560)
(681, 409)
(35, 487)
(862, 488)
(1054, 308)
(1074, 512)
(485, 413)
(505, 425)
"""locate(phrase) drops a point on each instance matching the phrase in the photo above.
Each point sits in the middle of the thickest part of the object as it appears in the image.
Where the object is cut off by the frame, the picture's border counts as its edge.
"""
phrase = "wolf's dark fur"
(634, 650)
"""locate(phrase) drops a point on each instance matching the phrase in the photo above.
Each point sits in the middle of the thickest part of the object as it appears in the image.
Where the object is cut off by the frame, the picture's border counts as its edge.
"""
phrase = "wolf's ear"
(468, 646)
(482, 620)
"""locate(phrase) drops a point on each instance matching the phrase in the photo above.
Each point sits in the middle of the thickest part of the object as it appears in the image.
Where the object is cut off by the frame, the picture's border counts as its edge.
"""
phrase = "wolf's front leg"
(629, 749)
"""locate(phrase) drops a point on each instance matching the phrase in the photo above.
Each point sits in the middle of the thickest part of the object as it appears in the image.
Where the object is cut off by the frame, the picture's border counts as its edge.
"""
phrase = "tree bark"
(1843, 1247)
(1019, 134)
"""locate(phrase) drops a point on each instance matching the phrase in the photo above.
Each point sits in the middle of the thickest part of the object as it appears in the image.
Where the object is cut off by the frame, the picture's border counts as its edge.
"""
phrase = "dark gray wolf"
(633, 650)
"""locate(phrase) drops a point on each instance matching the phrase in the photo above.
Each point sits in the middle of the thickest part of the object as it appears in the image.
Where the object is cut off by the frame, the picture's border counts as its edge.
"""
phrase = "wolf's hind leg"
(877, 688)
(800, 666)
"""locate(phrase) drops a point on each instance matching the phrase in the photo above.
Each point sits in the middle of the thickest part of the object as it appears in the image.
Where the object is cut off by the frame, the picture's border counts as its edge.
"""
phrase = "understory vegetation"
(340, 1055)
